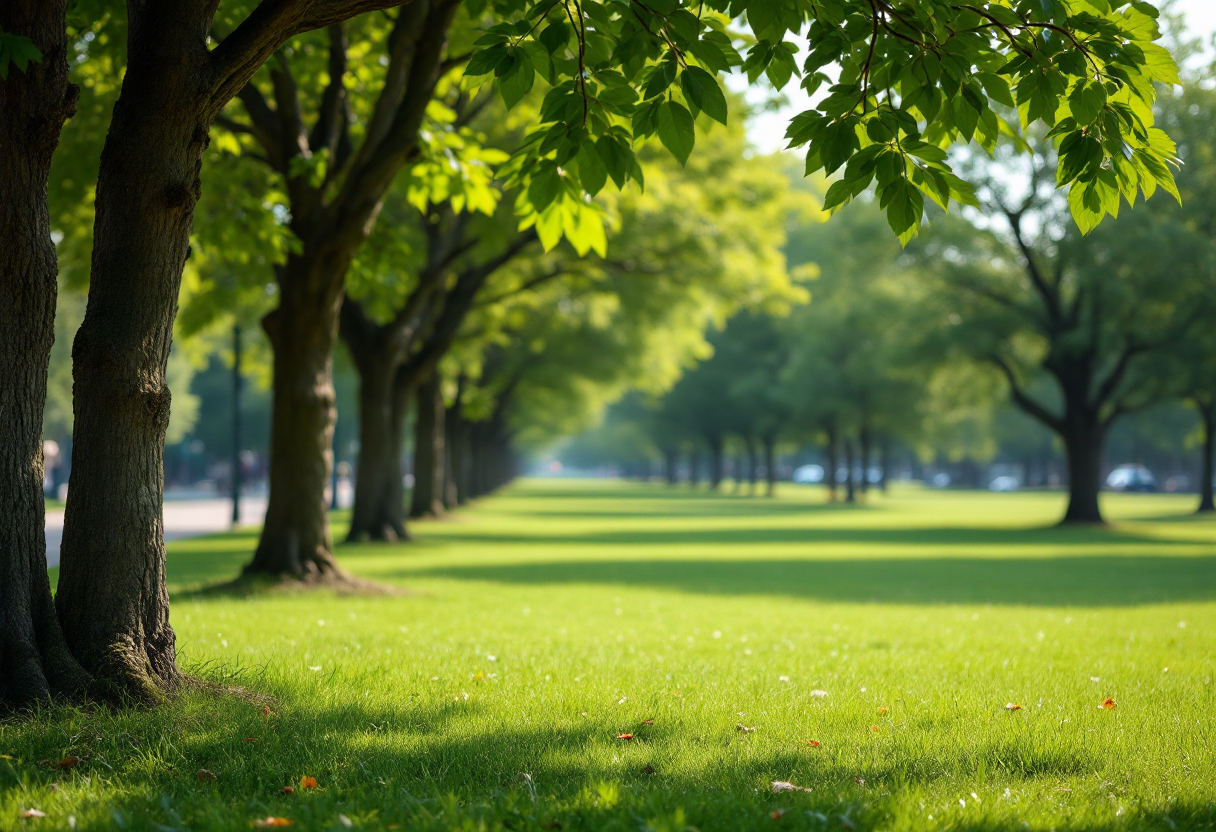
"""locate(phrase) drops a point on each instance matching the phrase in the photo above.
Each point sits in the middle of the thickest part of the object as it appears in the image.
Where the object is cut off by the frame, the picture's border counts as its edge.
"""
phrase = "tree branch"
(1022, 399)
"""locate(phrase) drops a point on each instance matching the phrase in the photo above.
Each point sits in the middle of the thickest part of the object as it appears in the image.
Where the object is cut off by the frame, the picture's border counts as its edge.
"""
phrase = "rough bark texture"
(427, 497)
(453, 460)
(295, 539)
(35, 662)
(332, 218)
(112, 600)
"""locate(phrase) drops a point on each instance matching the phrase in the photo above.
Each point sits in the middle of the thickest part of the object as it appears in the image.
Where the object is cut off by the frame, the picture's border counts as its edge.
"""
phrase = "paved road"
(183, 518)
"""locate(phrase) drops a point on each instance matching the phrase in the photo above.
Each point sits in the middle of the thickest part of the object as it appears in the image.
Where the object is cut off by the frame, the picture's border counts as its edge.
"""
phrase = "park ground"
(866, 655)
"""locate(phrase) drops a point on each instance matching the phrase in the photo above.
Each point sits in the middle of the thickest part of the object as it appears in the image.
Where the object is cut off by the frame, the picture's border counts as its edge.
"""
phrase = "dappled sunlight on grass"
(545, 622)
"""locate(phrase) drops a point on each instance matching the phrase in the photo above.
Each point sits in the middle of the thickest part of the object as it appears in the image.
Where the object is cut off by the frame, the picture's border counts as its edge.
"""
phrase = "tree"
(1039, 300)
(112, 601)
(35, 100)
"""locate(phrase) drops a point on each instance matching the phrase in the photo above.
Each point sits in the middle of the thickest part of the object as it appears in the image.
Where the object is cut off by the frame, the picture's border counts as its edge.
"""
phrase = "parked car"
(808, 474)
(1005, 483)
(940, 480)
(1131, 477)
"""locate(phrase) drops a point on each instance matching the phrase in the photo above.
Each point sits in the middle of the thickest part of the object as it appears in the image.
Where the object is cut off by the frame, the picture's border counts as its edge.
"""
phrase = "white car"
(808, 474)
(1005, 483)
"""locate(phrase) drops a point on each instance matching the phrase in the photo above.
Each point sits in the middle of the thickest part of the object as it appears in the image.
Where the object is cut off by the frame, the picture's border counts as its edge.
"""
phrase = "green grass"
(546, 621)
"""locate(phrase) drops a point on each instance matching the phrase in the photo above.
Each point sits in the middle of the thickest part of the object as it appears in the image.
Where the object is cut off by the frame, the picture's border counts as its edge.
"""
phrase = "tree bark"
(671, 462)
(866, 452)
(427, 498)
(295, 540)
(1208, 418)
(1083, 448)
(374, 516)
(753, 474)
(35, 663)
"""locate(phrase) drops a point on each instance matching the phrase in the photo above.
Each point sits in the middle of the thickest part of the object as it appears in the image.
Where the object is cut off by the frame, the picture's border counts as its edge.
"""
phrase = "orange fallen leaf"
(266, 710)
(205, 776)
(1108, 704)
(68, 762)
(33, 813)
(873, 727)
(777, 814)
(272, 821)
(307, 782)
(1009, 706)
(287, 790)
(624, 736)
(251, 739)
(813, 743)
(882, 710)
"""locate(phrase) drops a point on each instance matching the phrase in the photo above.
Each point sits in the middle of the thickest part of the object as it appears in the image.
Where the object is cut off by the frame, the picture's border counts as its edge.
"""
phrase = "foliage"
(907, 82)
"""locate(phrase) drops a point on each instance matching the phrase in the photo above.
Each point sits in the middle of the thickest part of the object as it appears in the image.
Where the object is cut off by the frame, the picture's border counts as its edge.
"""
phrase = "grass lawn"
(723, 634)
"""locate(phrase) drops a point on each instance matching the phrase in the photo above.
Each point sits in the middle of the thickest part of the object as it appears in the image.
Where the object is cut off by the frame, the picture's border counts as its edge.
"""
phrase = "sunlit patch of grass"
(544, 623)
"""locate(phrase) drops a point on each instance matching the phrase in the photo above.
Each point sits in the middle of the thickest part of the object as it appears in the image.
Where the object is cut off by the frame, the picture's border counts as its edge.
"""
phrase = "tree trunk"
(112, 599)
(833, 460)
(738, 471)
(716, 459)
(427, 499)
(295, 539)
(884, 462)
(1208, 418)
(35, 662)
(375, 516)
(770, 466)
(452, 427)
(753, 475)
(866, 453)
(1083, 448)
(850, 486)
(671, 463)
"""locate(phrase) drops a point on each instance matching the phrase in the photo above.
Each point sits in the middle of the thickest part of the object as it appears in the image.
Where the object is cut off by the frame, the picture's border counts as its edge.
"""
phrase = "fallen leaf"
(1009, 706)
(648, 769)
(882, 710)
(785, 786)
(287, 790)
(777, 814)
(1108, 704)
(68, 763)
(205, 776)
(624, 736)
(307, 782)
(873, 727)
(813, 743)
(648, 722)
(33, 813)
(861, 781)
(251, 739)
(266, 823)
(266, 710)
(745, 729)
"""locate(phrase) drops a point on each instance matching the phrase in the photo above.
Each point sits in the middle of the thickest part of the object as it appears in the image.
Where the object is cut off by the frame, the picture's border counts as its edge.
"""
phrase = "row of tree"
(1009, 303)
(313, 120)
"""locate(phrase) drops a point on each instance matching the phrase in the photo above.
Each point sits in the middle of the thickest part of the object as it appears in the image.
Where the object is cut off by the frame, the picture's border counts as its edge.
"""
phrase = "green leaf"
(1087, 101)
(676, 130)
(702, 91)
(591, 170)
(546, 184)
(516, 82)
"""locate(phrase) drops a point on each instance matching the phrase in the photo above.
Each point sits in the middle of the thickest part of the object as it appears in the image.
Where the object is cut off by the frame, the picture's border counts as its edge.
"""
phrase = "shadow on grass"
(437, 765)
(1069, 581)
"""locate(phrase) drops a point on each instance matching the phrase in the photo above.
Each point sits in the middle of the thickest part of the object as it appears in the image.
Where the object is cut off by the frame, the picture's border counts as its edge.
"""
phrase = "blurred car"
(808, 474)
(940, 480)
(1005, 483)
(1132, 478)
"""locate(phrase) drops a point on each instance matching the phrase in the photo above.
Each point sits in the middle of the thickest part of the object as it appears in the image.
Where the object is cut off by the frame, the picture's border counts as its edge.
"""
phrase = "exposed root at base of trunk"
(259, 583)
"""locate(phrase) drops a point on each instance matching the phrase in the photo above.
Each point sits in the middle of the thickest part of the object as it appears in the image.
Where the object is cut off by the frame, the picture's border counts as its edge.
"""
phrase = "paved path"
(183, 518)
